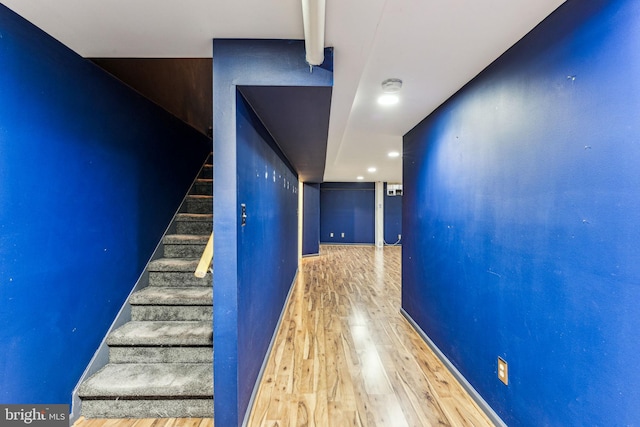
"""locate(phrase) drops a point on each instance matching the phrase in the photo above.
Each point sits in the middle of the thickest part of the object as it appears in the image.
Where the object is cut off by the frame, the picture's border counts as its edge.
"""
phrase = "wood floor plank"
(86, 422)
(151, 422)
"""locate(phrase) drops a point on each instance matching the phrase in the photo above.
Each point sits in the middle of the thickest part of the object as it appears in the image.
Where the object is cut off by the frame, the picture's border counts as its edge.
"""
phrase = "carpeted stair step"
(206, 172)
(162, 342)
(151, 390)
(203, 187)
(176, 272)
(198, 204)
(158, 295)
(189, 223)
(168, 333)
(169, 303)
(184, 245)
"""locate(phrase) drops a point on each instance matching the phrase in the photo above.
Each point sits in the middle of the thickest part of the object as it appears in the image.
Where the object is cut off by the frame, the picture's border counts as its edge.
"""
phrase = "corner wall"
(267, 250)
(91, 173)
(242, 319)
(523, 193)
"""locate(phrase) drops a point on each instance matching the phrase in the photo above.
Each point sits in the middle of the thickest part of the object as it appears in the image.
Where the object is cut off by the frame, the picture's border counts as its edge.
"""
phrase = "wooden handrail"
(205, 259)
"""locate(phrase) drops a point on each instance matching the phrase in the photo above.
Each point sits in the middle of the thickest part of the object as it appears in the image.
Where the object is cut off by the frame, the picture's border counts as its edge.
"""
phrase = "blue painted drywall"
(90, 176)
(267, 250)
(522, 191)
(311, 219)
(392, 218)
(252, 63)
(349, 208)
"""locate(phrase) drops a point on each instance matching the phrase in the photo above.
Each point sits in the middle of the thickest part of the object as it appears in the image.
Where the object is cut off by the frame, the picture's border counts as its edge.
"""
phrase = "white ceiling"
(434, 46)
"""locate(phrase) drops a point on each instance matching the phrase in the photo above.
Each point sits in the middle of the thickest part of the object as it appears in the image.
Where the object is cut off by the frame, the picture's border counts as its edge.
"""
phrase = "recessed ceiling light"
(390, 88)
(393, 154)
(388, 99)
(372, 169)
(360, 177)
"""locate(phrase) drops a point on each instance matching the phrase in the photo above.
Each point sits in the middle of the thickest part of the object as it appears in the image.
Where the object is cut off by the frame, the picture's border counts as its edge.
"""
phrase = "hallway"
(344, 355)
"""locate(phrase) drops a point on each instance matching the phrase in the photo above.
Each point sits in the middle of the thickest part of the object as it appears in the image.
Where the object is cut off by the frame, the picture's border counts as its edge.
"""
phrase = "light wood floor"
(345, 356)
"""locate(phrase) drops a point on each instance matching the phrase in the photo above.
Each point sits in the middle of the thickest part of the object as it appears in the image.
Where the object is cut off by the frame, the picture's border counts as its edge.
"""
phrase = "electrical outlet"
(342, 235)
(503, 371)
(330, 234)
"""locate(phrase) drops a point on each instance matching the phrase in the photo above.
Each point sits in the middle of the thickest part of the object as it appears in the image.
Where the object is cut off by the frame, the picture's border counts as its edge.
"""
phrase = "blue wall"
(269, 190)
(525, 222)
(347, 208)
(311, 219)
(243, 321)
(392, 218)
(90, 176)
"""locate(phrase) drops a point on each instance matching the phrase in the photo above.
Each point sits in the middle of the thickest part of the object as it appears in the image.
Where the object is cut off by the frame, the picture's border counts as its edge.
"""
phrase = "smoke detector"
(391, 85)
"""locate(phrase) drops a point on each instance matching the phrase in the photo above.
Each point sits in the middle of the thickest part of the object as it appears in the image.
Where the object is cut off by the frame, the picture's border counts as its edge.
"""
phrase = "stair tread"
(185, 239)
(168, 332)
(174, 264)
(194, 217)
(199, 197)
(160, 295)
(151, 380)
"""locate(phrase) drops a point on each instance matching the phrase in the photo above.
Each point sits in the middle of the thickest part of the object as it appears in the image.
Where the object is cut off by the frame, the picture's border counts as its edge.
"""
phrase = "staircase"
(161, 362)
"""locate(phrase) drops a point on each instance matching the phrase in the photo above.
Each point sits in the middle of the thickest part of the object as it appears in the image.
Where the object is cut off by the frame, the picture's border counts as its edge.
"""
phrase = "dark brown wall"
(182, 86)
